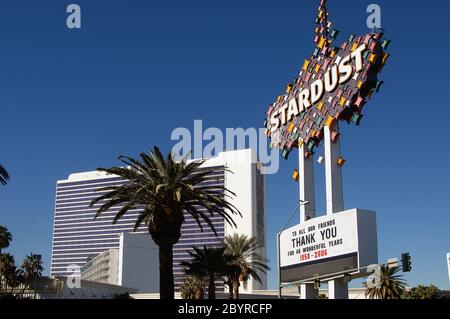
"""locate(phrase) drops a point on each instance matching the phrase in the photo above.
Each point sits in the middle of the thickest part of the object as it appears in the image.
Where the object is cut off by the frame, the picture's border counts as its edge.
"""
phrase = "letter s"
(274, 121)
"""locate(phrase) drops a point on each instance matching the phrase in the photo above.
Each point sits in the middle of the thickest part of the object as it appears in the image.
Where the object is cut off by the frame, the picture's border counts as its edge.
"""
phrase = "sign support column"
(307, 212)
(306, 185)
(333, 172)
(337, 289)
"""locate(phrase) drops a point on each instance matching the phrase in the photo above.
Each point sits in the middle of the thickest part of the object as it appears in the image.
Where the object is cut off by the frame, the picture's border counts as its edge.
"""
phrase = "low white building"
(134, 264)
(103, 268)
(290, 293)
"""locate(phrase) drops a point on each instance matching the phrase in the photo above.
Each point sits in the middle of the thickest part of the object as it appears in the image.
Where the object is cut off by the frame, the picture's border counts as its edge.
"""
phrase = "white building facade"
(103, 268)
(127, 266)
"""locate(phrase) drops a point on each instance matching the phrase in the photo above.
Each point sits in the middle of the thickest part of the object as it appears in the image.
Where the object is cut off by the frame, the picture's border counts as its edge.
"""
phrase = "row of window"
(82, 229)
(87, 198)
(90, 181)
(61, 211)
(87, 247)
(216, 180)
(64, 263)
(185, 238)
(89, 217)
(190, 222)
(108, 232)
(97, 223)
(87, 242)
(98, 189)
(95, 251)
(64, 235)
(90, 213)
(79, 195)
(99, 219)
(85, 208)
(220, 229)
(187, 228)
(107, 181)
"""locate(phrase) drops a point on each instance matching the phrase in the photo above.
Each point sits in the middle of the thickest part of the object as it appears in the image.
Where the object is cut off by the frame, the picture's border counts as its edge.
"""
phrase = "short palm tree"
(32, 266)
(165, 190)
(4, 176)
(422, 292)
(7, 263)
(244, 261)
(13, 279)
(389, 285)
(206, 262)
(193, 288)
(5, 238)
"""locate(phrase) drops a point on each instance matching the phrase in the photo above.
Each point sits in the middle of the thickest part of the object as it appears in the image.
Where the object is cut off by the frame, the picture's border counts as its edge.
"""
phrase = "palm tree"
(422, 292)
(206, 262)
(192, 288)
(165, 190)
(7, 263)
(13, 278)
(389, 285)
(32, 267)
(5, 238)
(4, 176)
(244, 261)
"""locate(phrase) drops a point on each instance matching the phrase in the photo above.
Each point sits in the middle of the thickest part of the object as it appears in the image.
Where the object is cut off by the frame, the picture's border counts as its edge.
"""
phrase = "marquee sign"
(333, 85)
(329, 244)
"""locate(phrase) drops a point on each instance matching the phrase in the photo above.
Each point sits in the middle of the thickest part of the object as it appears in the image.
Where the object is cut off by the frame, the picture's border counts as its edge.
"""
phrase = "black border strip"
(319, 261)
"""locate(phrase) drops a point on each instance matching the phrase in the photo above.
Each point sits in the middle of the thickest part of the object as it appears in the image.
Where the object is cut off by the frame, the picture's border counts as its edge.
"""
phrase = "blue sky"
(73, 100)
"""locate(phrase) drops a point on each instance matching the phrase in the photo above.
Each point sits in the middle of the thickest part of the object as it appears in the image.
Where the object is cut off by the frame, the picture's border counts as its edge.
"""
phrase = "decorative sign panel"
(333, 84)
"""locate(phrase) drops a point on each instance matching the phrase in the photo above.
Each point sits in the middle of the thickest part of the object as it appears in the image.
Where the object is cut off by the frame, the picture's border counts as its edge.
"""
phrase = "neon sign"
(334, 84)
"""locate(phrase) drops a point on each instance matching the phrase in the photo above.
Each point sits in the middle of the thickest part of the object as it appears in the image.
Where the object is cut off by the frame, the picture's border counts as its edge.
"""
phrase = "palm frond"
(166, 190)
(4, 176)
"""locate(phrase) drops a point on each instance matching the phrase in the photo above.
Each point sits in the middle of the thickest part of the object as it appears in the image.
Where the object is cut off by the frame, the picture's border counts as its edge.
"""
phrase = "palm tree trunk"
(236, 289)
(230, 289)
(211, 287)
(199, 294)
(166, 283)
(23, 291)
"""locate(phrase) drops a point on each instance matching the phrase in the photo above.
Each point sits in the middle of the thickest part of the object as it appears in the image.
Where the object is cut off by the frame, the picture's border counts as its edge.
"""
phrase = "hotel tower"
(77, 237)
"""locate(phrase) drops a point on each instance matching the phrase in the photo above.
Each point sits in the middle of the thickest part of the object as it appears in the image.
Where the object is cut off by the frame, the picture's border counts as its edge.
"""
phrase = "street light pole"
(279, 264)
(278, 244)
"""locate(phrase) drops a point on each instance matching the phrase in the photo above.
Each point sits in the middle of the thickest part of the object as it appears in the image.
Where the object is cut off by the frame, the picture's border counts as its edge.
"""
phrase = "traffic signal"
(317, 284)
(406, 262)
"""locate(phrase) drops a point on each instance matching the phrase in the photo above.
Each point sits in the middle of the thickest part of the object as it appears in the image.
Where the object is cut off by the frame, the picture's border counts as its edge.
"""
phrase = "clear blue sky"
(74, 100)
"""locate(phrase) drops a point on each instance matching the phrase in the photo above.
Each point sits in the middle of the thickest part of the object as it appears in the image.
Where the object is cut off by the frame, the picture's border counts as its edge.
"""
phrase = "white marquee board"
(328, 239)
